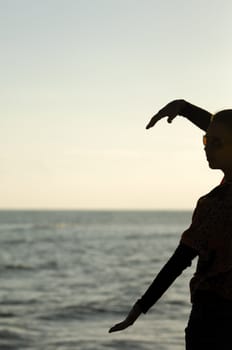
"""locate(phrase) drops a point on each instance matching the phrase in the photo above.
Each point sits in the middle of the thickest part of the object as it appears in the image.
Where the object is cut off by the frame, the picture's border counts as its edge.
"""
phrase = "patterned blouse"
(210, 234)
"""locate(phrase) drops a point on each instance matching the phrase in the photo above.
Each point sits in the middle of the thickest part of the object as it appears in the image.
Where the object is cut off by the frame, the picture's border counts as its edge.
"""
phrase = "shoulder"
(222, 191)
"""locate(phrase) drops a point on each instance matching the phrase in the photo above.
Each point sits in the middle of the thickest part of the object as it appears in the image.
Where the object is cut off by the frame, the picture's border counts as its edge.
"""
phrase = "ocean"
(68, 276)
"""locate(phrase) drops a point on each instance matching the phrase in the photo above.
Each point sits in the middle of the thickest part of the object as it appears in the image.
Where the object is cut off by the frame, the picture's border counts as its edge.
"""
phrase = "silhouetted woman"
(209, 237)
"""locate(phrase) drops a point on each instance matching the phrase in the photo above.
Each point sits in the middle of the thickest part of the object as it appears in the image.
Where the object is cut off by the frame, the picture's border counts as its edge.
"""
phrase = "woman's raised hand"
(171, 110)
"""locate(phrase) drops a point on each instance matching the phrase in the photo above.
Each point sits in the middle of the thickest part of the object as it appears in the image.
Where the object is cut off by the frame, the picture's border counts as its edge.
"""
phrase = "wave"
(26, 227)
(14, 267)
(7, 315)
(7, 334)
(17, 267)
(10, 302)
(16, 338)
(76, 312)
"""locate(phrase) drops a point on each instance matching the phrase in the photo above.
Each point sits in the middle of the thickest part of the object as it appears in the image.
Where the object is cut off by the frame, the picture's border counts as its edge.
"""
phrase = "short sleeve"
(194, 236)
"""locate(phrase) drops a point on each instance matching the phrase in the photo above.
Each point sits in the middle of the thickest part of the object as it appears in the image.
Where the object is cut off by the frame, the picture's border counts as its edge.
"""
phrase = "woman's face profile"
(218, 146)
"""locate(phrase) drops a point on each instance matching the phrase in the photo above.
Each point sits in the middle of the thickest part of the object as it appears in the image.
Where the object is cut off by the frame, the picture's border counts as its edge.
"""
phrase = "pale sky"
(80, 79)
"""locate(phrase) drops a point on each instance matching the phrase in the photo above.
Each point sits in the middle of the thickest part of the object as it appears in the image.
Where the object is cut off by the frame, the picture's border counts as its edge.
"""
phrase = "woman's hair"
(224, 117)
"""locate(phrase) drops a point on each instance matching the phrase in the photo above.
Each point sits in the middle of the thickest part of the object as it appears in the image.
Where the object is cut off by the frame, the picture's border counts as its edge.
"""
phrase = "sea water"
(67, 276)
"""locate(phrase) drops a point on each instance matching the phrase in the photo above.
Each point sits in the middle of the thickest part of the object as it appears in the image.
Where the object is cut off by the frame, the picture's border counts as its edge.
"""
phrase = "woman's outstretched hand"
(171, 110)
(129, 320)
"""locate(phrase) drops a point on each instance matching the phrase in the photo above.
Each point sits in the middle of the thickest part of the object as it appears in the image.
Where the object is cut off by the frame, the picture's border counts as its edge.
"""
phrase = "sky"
(80, 79)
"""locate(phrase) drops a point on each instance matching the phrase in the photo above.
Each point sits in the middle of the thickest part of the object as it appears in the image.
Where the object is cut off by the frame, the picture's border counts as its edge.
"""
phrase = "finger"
(115, 328)
(153, 121)
(170, 119)
(118, 327)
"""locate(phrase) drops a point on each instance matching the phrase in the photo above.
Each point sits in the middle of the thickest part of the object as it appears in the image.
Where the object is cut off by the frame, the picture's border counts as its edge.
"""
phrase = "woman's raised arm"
(198, 116)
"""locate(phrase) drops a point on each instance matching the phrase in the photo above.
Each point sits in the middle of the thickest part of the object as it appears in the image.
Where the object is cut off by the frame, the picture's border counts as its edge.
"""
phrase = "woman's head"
(223, 117)
(218, 141)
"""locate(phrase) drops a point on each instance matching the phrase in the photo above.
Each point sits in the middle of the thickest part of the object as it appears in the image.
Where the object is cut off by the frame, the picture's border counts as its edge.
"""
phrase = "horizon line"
(95, 209)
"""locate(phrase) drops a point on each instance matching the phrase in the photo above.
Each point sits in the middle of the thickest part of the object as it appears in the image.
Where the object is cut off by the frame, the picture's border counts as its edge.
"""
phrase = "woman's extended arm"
(198, 116)
(181, 259)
